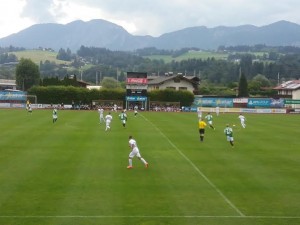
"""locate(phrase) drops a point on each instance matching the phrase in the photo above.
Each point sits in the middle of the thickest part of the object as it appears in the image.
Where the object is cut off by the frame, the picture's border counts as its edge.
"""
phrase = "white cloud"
(10, 20)
(147, 17)
(67, 11)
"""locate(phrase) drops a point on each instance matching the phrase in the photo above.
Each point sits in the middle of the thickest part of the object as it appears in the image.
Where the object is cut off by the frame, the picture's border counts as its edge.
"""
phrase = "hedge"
(68, 94)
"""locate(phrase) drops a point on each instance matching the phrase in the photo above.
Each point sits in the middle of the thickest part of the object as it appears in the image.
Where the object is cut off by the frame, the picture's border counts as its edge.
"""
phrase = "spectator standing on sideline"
(229, 134)
(123, 118)
(199, 113)
(54, 115)
(243, 120)
(202, 126)
(134, 152)
(209, 119)
(217, 110)
(108, 119)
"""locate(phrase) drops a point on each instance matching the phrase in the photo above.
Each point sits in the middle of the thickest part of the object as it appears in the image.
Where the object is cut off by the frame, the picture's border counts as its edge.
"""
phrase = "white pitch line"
(191, 216)
(198, 170)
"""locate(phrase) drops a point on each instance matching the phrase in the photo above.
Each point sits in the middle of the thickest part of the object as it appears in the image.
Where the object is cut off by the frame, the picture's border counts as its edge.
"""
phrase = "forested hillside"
(220, 68)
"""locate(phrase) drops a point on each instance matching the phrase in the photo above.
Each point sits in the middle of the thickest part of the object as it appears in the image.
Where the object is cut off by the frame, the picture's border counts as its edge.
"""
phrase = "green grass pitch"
(74, 173)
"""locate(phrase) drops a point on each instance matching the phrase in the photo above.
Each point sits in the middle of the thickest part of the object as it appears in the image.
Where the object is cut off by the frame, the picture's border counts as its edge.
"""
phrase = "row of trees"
(28, 75)
(212, 70)
(213, 73)
(69, 94)
(8, 58)
(218, 72)
(106, 63)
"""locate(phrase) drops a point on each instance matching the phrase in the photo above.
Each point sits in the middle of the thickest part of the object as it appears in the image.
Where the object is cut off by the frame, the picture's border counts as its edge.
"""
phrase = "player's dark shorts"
(201, 131)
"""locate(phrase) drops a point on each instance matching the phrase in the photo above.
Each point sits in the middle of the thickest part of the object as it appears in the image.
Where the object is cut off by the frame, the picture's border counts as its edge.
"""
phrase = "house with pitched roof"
(289, 89)
(8, 84)
(175, 82)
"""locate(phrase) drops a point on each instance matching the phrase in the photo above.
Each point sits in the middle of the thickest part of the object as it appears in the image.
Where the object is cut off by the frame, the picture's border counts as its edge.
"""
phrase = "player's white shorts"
(229, 138)
(210, 122)
(135, 152)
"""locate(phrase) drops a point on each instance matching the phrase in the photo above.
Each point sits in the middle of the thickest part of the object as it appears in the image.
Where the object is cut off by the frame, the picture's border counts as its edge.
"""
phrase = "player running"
(229, 134)
(108, 119)
(134, 152)
(123, 118)
(209, 119)
(101, 116)
(243, 120)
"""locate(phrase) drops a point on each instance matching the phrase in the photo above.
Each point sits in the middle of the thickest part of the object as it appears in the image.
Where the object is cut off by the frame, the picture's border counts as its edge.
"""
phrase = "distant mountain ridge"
(101, 33)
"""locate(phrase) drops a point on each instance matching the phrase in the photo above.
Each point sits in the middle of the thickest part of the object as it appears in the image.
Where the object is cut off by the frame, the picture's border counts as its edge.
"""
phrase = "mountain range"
(104, 34)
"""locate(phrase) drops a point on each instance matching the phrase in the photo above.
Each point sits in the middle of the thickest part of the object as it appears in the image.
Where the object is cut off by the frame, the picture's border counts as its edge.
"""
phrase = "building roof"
(160, 79)
(289, 85)
(7, 82)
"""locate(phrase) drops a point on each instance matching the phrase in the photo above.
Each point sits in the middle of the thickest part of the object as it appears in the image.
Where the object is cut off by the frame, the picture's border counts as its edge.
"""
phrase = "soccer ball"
(233, 125)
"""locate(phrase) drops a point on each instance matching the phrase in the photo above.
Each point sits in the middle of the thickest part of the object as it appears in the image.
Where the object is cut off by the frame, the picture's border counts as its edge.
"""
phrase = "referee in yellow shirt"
(202, 126)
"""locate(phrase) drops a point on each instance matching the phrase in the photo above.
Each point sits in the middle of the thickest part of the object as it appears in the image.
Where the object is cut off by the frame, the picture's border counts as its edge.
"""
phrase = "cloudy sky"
(147, 17)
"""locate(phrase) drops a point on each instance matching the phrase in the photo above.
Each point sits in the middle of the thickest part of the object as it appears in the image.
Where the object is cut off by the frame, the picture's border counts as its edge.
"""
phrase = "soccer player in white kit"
(108, 119)
(134, 152)
(199, 113)
(242, 119)
(101, 116)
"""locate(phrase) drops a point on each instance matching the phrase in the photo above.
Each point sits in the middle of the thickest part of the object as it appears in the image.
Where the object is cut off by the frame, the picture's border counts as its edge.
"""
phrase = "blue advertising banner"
(136, 98)
(213, 102)
(259, 102)
(277, 103)
(12, 96)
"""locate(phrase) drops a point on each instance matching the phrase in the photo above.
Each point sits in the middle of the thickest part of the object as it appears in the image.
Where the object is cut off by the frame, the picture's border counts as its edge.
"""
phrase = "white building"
(8, 84)
(175, 82)
(289, 89)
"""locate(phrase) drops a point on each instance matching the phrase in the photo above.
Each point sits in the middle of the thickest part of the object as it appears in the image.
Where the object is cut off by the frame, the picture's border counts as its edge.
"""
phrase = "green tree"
(243, 86)
(109, 82)
(264, 82)
(27, 74)
(64, 55)
(246, 64)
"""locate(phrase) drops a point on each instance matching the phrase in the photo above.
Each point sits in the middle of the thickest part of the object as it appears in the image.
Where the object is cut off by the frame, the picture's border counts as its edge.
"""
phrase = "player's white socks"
(130, 162)
(144, 161)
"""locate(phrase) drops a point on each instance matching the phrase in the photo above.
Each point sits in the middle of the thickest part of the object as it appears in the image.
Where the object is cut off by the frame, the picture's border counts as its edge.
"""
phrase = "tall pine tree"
(243, 86)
